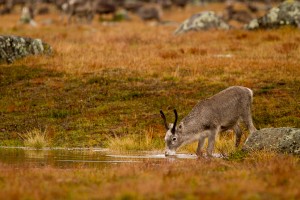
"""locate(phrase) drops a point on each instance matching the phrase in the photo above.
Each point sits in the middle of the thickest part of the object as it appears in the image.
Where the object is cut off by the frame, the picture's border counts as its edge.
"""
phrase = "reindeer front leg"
(211, 142)
(199, 151)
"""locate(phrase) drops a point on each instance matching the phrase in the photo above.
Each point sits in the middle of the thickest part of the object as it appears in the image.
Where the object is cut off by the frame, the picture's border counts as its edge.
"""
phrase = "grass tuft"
(144, 141)
(35, 139)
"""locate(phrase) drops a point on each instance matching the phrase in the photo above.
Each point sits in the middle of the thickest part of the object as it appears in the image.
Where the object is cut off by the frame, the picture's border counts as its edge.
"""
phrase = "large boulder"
(287, 13)
(285, 140)
(14, 47)
(202, 21)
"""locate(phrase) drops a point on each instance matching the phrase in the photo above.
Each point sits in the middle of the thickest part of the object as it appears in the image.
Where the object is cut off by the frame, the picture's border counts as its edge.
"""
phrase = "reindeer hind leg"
(238, 134)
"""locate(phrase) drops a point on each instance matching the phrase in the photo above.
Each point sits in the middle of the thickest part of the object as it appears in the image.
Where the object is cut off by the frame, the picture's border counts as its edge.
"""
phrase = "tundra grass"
(110, 81)
(35, 139)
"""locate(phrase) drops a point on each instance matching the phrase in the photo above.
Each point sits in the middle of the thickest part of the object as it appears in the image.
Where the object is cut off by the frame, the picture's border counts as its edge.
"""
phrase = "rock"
(14, 47)
(180, 3)
(202, 21)
(287, 13)
(284, 140)
(165, 4)
(150, 13)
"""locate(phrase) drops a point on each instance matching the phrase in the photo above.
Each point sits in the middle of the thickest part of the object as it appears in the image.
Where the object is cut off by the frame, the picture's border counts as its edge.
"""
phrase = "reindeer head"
(173, 136)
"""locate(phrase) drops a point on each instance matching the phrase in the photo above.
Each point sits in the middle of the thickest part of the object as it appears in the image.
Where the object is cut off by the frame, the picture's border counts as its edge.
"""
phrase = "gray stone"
(202, 21)
(14, 47)
(284, 140)
(287, 13)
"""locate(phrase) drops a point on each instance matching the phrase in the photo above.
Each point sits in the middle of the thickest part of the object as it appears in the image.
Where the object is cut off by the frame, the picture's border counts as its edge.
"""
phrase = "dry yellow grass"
(35, 139)
(151, 50)
(145, 141)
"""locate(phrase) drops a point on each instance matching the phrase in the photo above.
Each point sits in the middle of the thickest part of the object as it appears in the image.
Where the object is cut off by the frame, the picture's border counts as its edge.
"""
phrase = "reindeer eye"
(174, 138)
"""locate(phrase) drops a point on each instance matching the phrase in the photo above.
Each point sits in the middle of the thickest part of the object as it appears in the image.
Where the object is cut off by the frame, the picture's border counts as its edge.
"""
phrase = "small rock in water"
(285, 140)
(14, 47)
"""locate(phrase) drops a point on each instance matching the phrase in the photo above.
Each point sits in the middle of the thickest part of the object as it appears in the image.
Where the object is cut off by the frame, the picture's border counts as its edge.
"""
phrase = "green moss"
(265, 89)
(11, 142)
(238, 155)
(103, 81)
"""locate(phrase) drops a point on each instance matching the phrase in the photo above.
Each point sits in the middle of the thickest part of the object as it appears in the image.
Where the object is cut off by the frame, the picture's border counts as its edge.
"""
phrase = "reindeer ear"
(171, 125)
(180, 126)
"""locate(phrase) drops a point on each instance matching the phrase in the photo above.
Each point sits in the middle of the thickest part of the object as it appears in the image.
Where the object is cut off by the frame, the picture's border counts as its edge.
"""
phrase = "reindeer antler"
(164, 118)
(174, 125)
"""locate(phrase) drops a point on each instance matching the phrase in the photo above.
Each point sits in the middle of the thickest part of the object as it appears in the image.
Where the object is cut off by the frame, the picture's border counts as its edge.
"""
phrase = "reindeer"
(219, 113)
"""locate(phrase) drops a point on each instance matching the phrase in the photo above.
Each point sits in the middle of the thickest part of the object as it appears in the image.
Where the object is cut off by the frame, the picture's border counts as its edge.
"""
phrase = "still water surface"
(65, 158)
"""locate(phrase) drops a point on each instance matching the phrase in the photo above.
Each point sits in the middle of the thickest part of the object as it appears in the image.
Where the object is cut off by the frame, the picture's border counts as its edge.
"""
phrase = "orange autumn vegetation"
(104, 86)
(259, 176)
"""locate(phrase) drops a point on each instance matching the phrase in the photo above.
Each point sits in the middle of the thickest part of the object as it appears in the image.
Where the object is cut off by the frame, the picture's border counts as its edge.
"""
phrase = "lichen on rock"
(287, 13)
(284, 140)
(202, 21)
(14, 47)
